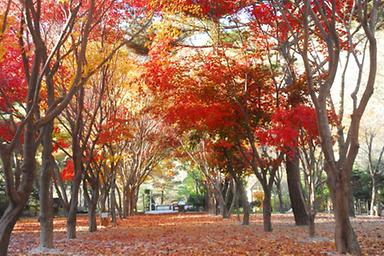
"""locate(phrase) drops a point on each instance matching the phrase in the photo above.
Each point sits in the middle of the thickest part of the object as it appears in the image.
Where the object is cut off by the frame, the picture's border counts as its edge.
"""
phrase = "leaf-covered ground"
(197, 234)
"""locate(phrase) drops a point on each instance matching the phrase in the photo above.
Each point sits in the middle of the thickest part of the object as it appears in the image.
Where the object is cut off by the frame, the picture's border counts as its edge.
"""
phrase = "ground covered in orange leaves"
(197, 234)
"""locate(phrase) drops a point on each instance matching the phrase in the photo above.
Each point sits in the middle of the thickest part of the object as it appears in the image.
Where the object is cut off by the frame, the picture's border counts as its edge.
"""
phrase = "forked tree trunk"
(295, 192)
(267, 211)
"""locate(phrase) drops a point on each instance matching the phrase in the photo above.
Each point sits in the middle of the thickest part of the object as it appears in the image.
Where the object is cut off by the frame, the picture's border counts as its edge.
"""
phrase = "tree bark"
(372, 211)
(45, 193)
(311, 224)
(280, 196)
(267, 211)
(245, 202)
(351, 204)
(92, 222)
(210, 201)
(113, 204)
(18, 198)
(295, 192)
(345, 237)
(7, 223)
(71, 218)
(126, 203)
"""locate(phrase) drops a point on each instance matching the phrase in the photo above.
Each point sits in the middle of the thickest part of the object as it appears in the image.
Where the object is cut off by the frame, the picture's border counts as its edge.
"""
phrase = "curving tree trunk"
(7, 223)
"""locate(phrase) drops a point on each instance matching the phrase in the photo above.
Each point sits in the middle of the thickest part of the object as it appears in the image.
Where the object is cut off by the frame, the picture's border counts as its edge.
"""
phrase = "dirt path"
(198, 234)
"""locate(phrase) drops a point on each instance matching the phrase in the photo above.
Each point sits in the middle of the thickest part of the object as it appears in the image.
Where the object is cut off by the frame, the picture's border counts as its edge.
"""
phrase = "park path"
(197, 234)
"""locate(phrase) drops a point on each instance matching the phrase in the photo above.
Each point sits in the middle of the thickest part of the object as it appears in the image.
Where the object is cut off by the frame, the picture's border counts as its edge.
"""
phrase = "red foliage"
(115, 129)
(13, 87)
(68, 171)
(288, 125)
(213, 9)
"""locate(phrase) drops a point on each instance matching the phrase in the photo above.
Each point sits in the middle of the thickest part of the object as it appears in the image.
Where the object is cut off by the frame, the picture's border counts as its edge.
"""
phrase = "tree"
(326, 31)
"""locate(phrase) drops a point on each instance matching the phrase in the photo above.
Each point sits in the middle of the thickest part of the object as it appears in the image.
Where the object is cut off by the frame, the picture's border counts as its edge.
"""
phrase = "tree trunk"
(92, 222)
(345, 237)
(119, 203)
(45, 193)
(221, 204)
(280, 196)
(311, 224)
(372, 211)
(7, 223)
(295, 192)
(71, 218)
(125, 204)
(71, 224)
(234, 198)
(16, 205)
(113, 205)
(162, 197)
(245, 202)
(267, 211)
(132, 202)
(211, 204)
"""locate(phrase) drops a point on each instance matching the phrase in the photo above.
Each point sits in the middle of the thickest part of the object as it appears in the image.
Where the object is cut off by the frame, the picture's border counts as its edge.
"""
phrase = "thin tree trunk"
(267, 211)
(71, 218)
(113, 204)
(211, 204)
(351, 201)
(45, 193)
(245, 202)
(372, 211)
(234, 198)
(119, 204)
(280, 196)
(295, 192)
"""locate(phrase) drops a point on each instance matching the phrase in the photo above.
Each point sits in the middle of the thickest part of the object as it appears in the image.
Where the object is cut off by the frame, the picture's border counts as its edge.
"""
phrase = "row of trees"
(242, 86)
(251, 83)
(65, 110)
